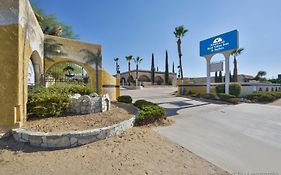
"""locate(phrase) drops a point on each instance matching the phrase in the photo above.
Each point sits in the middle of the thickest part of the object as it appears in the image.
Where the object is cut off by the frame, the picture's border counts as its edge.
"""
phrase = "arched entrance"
(144, 78)
(67, 72)
(159, 80)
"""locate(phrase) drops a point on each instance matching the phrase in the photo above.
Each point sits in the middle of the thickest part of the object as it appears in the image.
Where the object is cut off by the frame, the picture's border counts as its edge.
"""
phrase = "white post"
(227, 78)
(208, 60)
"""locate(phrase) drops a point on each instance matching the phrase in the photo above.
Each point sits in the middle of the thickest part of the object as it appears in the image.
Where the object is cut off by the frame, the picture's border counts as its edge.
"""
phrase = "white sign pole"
(227, 78)
(208, 60)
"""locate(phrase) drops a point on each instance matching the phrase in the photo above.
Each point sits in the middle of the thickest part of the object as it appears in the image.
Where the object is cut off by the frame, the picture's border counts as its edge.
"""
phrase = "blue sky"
(144, 27)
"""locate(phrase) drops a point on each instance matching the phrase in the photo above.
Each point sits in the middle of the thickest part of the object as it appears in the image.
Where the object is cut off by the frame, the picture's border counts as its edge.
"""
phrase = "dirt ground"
(117, 114)
(276, 103)
(140, 150)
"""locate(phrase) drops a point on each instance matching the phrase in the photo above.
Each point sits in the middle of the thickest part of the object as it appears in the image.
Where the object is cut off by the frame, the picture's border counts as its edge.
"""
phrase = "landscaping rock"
(88, 104)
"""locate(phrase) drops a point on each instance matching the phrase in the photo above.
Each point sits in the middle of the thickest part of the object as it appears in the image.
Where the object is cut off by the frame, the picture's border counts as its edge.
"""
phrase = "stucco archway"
(144, 78)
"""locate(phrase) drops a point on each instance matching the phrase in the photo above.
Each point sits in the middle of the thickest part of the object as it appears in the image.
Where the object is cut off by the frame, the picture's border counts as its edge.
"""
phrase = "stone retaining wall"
(70, 139)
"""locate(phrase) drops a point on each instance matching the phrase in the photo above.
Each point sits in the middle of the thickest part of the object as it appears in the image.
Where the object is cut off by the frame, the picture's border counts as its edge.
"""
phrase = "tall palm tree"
(129, 59)
(137, 60)
(236, 53)
(116, 64)
(179, 32)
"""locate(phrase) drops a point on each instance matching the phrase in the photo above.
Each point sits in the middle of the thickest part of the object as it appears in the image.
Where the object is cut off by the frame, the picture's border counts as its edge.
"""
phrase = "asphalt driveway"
(244, 138)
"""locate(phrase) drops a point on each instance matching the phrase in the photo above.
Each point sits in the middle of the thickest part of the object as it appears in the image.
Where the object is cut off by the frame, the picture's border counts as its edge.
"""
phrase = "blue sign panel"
(220, 43)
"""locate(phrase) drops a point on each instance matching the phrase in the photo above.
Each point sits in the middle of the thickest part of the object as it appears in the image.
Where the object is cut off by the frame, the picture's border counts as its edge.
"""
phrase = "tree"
(173, 68)
(260, 76)
(69, 69)
(129, 59)
(167, 69)
(137, 60)
(92, 58)
(50, 25)
(117, 65)
(179, 34)
(216, 77)
(236, 53)
(220, 77)
(152, 70)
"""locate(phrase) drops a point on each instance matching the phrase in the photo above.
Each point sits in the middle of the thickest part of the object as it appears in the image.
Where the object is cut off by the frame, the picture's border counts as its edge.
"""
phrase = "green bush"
(234, 89)
(264, 97)
(45, 103)
(54, 100)
(220, 89)
(72, 89)
(149, 114)
(223, 96)
(125, 99)
(141, 103)
(229, 98)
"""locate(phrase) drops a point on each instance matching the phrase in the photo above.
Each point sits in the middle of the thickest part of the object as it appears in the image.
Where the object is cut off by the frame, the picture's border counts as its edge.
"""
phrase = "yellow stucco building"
(22, 41)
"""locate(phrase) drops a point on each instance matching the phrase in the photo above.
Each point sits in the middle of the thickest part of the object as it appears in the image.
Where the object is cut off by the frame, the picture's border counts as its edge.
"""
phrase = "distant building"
(242, 78)
(279, 76)
(145, 78)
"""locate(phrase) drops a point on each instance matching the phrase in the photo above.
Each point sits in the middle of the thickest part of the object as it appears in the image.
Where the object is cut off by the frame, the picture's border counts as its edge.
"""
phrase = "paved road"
(244, 138)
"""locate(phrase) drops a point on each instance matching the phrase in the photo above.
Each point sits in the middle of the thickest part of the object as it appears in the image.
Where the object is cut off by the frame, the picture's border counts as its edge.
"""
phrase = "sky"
(143, 27)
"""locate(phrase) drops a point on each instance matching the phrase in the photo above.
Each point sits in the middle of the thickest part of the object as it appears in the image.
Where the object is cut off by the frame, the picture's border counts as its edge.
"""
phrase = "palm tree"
(236, 53)
(117, 66)
(93, 58)
(137, 61)
(129, 59)
(179, 34)
(68, 69)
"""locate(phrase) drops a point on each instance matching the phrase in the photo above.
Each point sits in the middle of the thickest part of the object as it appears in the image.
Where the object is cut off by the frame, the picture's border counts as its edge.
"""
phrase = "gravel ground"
(140, 150)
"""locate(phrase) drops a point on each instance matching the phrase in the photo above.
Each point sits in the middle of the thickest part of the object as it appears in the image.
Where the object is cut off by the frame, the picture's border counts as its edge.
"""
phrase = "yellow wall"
(14, 59)
(111, 85)
(198, 89)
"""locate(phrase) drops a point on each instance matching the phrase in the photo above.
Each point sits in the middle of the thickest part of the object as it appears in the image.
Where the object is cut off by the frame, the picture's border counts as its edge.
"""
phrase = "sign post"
(224, 44)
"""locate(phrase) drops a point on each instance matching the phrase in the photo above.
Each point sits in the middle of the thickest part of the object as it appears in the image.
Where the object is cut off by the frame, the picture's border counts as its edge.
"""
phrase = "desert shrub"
(234, 89)
(125, 99)
(149, 114)
(45, 103)
(141, 103)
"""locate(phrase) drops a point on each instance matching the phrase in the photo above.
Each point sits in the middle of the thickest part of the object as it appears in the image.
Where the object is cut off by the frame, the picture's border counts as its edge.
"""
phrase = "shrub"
(264, 97)
(220, 89)
(141, 103)
(72, 89)
(54, 100)
(233, 100)
(125, 99)
(210, 96)
(229, 98)
(225, 96)
(234, 89)
(149, 114)
(45, 103)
